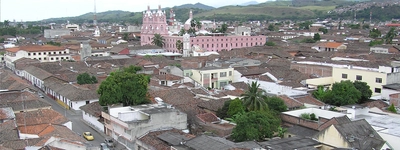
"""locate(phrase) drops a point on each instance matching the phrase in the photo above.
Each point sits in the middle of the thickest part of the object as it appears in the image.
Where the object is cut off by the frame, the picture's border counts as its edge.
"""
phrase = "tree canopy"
(255, 125)
(317, 37)
(85, 78)
(342, 93)
(254, 98)
(158, 40)
(364, 89)
(276, 104)
(235, 106)
(124, 86)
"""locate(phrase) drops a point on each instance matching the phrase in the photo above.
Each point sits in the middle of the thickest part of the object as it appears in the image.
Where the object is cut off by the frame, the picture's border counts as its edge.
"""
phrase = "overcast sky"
(32, 10)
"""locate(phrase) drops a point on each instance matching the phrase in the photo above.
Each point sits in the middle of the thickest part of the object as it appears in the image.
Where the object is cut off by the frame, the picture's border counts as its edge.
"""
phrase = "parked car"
(109, 141)
(88, 136)
(103, 146)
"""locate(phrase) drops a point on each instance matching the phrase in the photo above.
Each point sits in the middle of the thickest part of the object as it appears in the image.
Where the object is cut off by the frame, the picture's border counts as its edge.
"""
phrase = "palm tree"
(198, 25)
(182, 32)
(158, 40)
(254, 99)
(6, 23)
(179, 45)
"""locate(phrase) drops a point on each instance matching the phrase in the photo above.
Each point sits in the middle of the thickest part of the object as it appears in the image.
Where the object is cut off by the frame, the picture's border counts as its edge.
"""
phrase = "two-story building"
(127, 124)
(376, 78)
(43, 53)
(211, 77)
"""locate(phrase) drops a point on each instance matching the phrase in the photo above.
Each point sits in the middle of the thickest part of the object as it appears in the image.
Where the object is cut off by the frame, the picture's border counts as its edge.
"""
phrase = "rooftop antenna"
(94, 14)
(370, 17)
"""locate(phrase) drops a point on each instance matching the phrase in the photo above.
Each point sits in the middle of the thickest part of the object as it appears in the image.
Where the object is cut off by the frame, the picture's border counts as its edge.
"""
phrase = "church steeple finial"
(191, 14)
(148, 7)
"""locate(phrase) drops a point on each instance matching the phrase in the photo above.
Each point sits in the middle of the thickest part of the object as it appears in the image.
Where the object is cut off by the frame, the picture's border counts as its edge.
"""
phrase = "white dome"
(188, 21)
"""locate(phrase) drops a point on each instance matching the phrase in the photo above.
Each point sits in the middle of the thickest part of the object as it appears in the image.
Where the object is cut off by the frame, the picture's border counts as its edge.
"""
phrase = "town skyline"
(63, 8)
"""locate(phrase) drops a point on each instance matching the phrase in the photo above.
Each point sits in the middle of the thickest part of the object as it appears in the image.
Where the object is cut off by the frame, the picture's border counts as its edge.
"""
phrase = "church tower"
(154, 22)
(97, 32)
(186, 45)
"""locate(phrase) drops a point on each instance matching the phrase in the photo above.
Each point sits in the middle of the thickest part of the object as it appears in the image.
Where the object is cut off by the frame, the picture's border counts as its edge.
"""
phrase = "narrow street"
(79, 126)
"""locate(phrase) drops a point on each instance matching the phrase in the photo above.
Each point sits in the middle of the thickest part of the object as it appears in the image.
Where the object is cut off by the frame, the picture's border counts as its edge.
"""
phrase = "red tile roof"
(290, 102)
(36, 48)
(330, 45)
(207, 117)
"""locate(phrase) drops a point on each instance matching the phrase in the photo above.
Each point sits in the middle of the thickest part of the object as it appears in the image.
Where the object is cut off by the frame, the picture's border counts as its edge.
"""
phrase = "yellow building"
(373, 78)
(212, 77)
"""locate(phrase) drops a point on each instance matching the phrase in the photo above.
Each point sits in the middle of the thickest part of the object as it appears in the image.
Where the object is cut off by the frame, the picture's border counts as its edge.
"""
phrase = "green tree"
(191, 31)
(198, 25)
(343, 93)
(124, 86)
(223, 112)
(126, 36)
(269, 43)
(255, 125)
(271, 27)
(320, 93)
(375, 42)
(236, 106)
(179, 45)
(365, 90)
(281, 131)
(365, 26)
(2, 40)
(182, 32)
(323, 30)
(374, 33)
(193, 23)
(158, 40)
(6, 23)
(392, 109)
(276, 104)
(390, 35)
(317, 37)
(85, 78)
(254, 98)
(224, 28)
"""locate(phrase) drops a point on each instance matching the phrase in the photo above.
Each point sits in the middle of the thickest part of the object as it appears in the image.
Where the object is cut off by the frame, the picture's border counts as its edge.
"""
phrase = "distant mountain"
(249, 3)
(197, 5)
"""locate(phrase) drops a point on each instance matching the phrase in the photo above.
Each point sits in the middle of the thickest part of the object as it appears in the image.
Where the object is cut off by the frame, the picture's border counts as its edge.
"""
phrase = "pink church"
(155, 22)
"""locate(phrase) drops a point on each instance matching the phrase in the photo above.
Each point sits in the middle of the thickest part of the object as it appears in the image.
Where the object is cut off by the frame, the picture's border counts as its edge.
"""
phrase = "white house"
(43, 53)
(92, 114)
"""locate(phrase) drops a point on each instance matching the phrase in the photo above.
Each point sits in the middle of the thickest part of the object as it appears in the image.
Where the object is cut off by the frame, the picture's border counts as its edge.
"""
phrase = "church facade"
(155, 22)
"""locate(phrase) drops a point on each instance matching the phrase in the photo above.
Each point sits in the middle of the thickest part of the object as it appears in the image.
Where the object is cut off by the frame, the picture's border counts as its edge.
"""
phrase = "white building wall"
(93, 121)
(76, 104)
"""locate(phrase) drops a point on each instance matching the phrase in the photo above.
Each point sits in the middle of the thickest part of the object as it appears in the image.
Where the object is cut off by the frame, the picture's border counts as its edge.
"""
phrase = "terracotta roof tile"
(168, 77)
(308, 99)
(93, 109)
(290, 102)
(207, 117)
(151, 139)
(36, 48)
(329, 44)
(42, 116)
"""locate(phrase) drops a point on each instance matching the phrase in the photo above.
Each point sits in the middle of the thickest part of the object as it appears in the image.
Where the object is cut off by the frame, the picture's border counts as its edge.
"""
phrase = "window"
(39, 53)
(377, 90)
(344, 76)
(378, 80)
(358, 77)
(222, 84)
(222, 74)
(29, 54)
(230, 73)
(163, 83)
